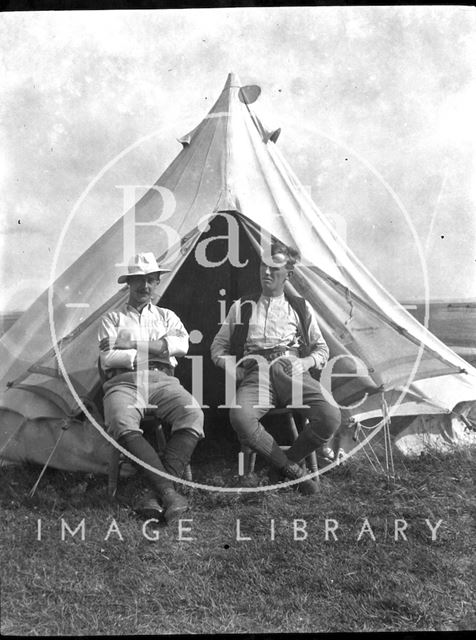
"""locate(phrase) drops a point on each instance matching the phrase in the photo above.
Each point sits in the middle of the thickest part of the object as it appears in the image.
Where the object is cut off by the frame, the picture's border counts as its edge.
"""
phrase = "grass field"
(211, 582)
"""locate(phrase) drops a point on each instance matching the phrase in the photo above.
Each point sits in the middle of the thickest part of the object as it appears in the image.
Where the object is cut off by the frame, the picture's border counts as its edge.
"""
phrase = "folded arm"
(119, 348)
(115, 346)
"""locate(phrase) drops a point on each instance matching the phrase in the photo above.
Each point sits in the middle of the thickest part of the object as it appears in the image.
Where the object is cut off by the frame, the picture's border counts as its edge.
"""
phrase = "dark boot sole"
(150, 513)
(308, 488)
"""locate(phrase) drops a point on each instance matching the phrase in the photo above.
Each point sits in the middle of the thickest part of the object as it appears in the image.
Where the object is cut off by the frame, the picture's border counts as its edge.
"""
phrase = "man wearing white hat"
(138, 345)
(283, 330)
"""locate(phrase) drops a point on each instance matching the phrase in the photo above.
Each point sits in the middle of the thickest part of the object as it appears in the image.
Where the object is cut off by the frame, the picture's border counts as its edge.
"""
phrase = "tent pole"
(387, 439)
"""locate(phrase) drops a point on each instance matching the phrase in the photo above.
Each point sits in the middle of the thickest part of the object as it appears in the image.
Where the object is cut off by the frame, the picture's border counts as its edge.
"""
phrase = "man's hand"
(238, 373)
(123, 341)
(300, 365)
(154, 347)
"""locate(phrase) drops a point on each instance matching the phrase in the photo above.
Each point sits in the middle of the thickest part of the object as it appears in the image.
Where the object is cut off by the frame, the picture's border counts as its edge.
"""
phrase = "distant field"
(454, 323)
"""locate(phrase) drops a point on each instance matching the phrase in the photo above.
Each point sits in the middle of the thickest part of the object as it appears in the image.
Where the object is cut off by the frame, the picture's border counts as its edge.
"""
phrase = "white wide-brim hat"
(142, 264)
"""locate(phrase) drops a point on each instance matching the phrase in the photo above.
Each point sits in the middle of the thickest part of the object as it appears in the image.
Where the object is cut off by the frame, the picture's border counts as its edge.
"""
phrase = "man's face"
(142, 288)
(273, 274)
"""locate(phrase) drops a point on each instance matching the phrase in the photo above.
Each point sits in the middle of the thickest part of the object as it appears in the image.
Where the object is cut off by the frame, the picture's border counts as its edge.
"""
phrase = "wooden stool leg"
(251, 466)
(160, 436)
(311, 459)
(113, 473)
(292, 425)
(312, 462)
(249, 459)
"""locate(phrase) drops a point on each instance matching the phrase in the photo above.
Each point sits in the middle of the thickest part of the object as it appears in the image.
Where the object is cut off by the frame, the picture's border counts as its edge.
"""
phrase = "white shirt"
(152, 323)
(273, 323)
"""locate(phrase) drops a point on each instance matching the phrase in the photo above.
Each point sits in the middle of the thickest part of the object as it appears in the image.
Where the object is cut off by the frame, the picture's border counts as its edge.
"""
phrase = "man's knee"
(242, 418)
(191, 419)
(326, 421)
(250, 437)
(119, 424)
(120, 420)
(246, 426)
(332, 416)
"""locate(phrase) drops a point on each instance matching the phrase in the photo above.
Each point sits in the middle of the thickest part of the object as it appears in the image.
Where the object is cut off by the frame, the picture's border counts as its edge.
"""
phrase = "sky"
(376, 107)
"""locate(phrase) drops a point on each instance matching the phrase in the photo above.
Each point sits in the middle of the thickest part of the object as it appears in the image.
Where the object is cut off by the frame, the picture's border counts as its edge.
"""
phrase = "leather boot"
(148, 507)
(174, 504)
(178, 451)
(292, 471)
(306, 442)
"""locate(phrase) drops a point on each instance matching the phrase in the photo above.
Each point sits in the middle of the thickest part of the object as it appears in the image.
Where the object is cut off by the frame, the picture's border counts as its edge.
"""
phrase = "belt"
(272, 354)
(152, 366)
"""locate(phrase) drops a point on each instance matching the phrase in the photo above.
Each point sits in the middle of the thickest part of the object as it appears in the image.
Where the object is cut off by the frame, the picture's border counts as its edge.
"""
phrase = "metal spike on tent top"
(35, 486)
(247, 96)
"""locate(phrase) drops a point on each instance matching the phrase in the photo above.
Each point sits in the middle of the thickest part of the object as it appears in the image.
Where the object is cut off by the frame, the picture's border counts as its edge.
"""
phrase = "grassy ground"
(215, 583)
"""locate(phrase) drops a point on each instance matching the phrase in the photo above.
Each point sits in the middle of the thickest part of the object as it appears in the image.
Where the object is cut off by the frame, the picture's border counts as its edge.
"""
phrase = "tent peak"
(232, 81)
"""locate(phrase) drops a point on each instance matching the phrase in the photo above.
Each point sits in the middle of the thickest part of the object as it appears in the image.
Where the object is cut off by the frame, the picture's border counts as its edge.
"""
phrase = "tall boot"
(265, 444)
(307, 442)
(178, 451)
(173, 502)
(293, 471)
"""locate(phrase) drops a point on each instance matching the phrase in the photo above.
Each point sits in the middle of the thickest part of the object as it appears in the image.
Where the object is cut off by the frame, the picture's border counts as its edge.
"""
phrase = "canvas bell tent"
(205, 219)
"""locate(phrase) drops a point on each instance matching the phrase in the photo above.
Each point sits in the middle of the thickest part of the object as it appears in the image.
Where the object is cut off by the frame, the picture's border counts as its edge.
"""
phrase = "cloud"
(395, 84)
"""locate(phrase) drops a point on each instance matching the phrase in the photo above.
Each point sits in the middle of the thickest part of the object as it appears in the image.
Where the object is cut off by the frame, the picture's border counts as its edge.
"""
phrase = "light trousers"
(128, 394)
(324, 417)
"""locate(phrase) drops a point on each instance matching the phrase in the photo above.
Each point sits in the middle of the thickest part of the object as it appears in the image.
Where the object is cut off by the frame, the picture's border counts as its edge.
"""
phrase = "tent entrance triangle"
(205, 286)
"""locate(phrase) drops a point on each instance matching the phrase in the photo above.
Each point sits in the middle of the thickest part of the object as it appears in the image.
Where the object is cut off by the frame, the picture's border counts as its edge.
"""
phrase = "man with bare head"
(283, 330)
